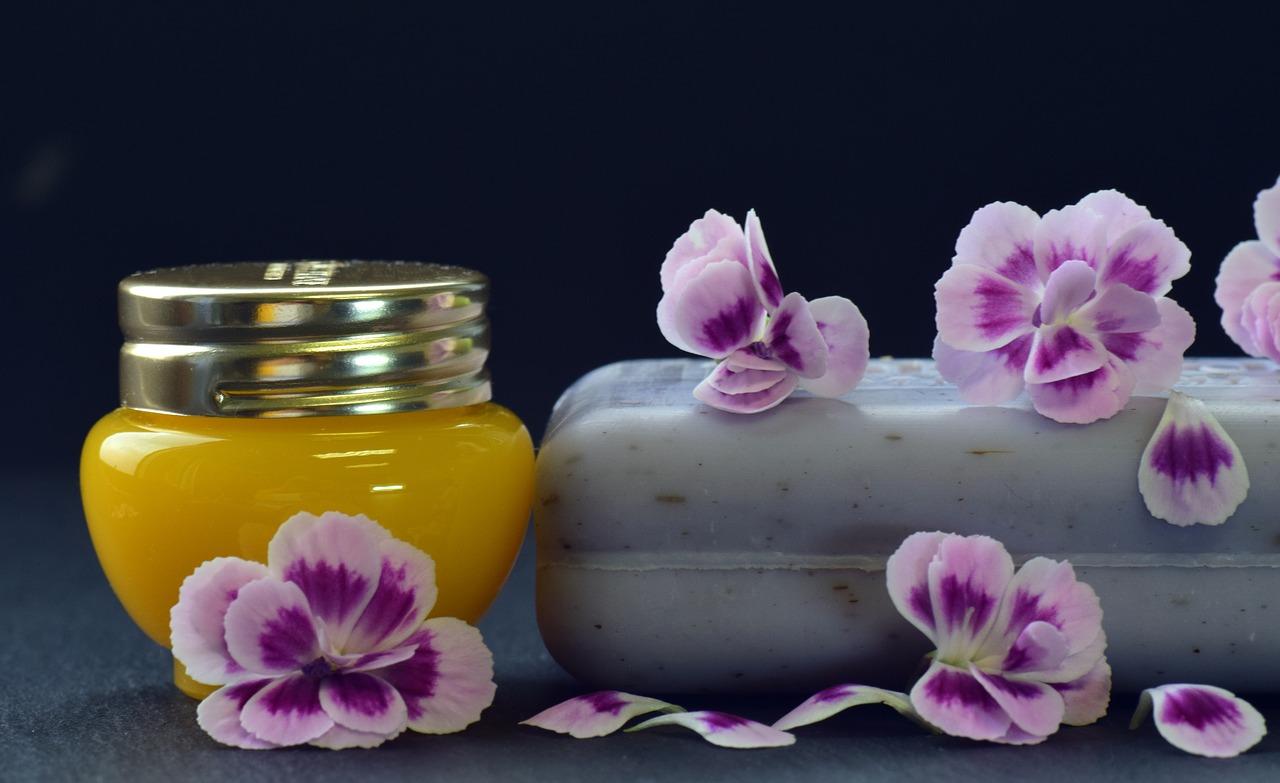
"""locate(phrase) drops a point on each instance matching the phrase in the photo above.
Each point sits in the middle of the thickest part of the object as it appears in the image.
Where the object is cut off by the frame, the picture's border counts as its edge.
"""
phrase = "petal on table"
(1248, 265)
(1085, 398)
(829, 701)
(1202, 719)
(287, 711)
(596, 714)
(794, 339)
(1147, 258)
(334, 558)
(270, 628)
(1154, 357)
(1191, 471)
(761, 263)
(1001, 237)
(746, 402)
(985, 377)
(980, 310)
(729, 378)
(719, 728)
(449, 680)
(718, 312)
(219, 715)
(196, 623)
(1061, 351)
(845, 332)
(953, 700)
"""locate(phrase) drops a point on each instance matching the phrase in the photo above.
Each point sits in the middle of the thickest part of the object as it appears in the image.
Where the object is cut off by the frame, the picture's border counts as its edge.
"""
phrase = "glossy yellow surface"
(163, 493)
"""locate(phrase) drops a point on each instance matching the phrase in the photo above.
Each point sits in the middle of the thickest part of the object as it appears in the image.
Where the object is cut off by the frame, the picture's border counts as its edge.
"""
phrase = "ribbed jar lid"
(297, 338)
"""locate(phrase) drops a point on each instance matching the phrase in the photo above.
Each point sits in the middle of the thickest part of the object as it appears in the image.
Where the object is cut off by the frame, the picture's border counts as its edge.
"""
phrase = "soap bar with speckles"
(685, 549)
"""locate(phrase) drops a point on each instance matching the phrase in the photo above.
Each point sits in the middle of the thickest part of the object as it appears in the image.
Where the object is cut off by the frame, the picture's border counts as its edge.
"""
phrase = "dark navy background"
(562, 149)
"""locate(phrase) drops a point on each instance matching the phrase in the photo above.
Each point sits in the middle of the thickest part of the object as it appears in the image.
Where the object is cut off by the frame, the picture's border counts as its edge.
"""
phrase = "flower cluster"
(329, 642)
(722, 299)
(1248, 285)
(1070, 306)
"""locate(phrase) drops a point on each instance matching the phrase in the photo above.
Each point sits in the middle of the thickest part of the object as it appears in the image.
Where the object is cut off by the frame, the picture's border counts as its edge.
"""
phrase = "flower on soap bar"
(1191, 471)
(329, 642)
(1070, 306)
(1248, 285)
(1202, 719)
(721, 298)
(1017, 654)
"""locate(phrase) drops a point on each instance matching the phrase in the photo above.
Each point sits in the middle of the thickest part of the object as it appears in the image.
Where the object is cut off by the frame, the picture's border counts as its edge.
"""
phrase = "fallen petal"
(727, 731)
(748, 401)
(828, 702)
(1191, 471)
(1202, 719)
(596, 714)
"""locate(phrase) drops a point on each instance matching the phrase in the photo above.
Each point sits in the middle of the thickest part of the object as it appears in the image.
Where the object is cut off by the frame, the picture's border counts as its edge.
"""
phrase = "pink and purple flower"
(1248, 285)
(329, 642)
(1018, 654)
(1070, 307)
(722, 299)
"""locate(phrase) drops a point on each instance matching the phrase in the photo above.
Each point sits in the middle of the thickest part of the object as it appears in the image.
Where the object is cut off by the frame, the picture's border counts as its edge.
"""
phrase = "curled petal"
(1119, 308)
(718, 312)
(596, 714)
(1086, 698)
(1085, 398)
(335, 559)
(1202, 719)
(907, 576)
(1191, 471)
(219, 715)
(712, 237)
(845, 332)
(1045, 592)
(727, 731)
(987, 377)
(1001, 237)
(732, 379)
(270, 629)
(1248, 265)
(793, 338)
(952, 699)
(287, 711)
(1147, 258)
(761, 263)
(1154, 356)
(980, 310)
(747, 401)
(449, 680)
(830, 701)
(196, 626)
(1068, 287)
(1073, 233)
(1040, 647)
(1061, 351)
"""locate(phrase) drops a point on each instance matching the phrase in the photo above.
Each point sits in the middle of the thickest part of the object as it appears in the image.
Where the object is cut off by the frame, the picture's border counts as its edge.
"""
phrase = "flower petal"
(1191, 471)
(405, 593)
(1248, 265)
(219, 715)
(1086, 698)
(1266, 217)
(986, 377)
(729, 248)
(1001, 237)
(952, 699)
(1034, 707)
(718, 312)
(596, 714)
(1072, 233)
(705, 239)
(1154, 357)
(1061, 351)
(907, 577)
(1119, 212)
(845, 332)
(793, 338)
(1147, 258)
(1260, 314)
(1040, 647)
(363, 703)
(1202, 719)
(270, 628)
(287, 711)
(340, 738)
(727, 731)
(1085, 398)
(334, 558)
(967, 582)
(196, 629)
(1119, 308)
(449, 680)
(1068, 287)
(828, 702)
(745, 402)
(980, 310)
(760, 262)
(729, 378)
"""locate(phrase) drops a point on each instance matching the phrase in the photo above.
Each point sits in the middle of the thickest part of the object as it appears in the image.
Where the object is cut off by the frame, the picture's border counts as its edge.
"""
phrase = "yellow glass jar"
(252, 392)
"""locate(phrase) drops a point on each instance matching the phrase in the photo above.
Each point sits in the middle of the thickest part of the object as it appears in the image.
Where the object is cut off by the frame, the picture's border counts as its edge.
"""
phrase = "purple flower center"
(318, 669)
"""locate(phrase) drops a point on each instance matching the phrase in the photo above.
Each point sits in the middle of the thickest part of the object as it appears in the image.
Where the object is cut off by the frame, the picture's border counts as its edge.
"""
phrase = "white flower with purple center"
(1017, 654)
(1202, 719)
(1248, 285)
(1191, 471)
(329, 642)
(722, 299)
(1070, 307)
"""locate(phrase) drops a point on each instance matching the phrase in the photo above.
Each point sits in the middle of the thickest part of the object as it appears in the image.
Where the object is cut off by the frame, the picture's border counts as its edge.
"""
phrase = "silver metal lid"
(301, 338)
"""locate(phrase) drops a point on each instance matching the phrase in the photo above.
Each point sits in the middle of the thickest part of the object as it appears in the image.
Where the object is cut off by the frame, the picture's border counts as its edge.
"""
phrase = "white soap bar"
(684, 549)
